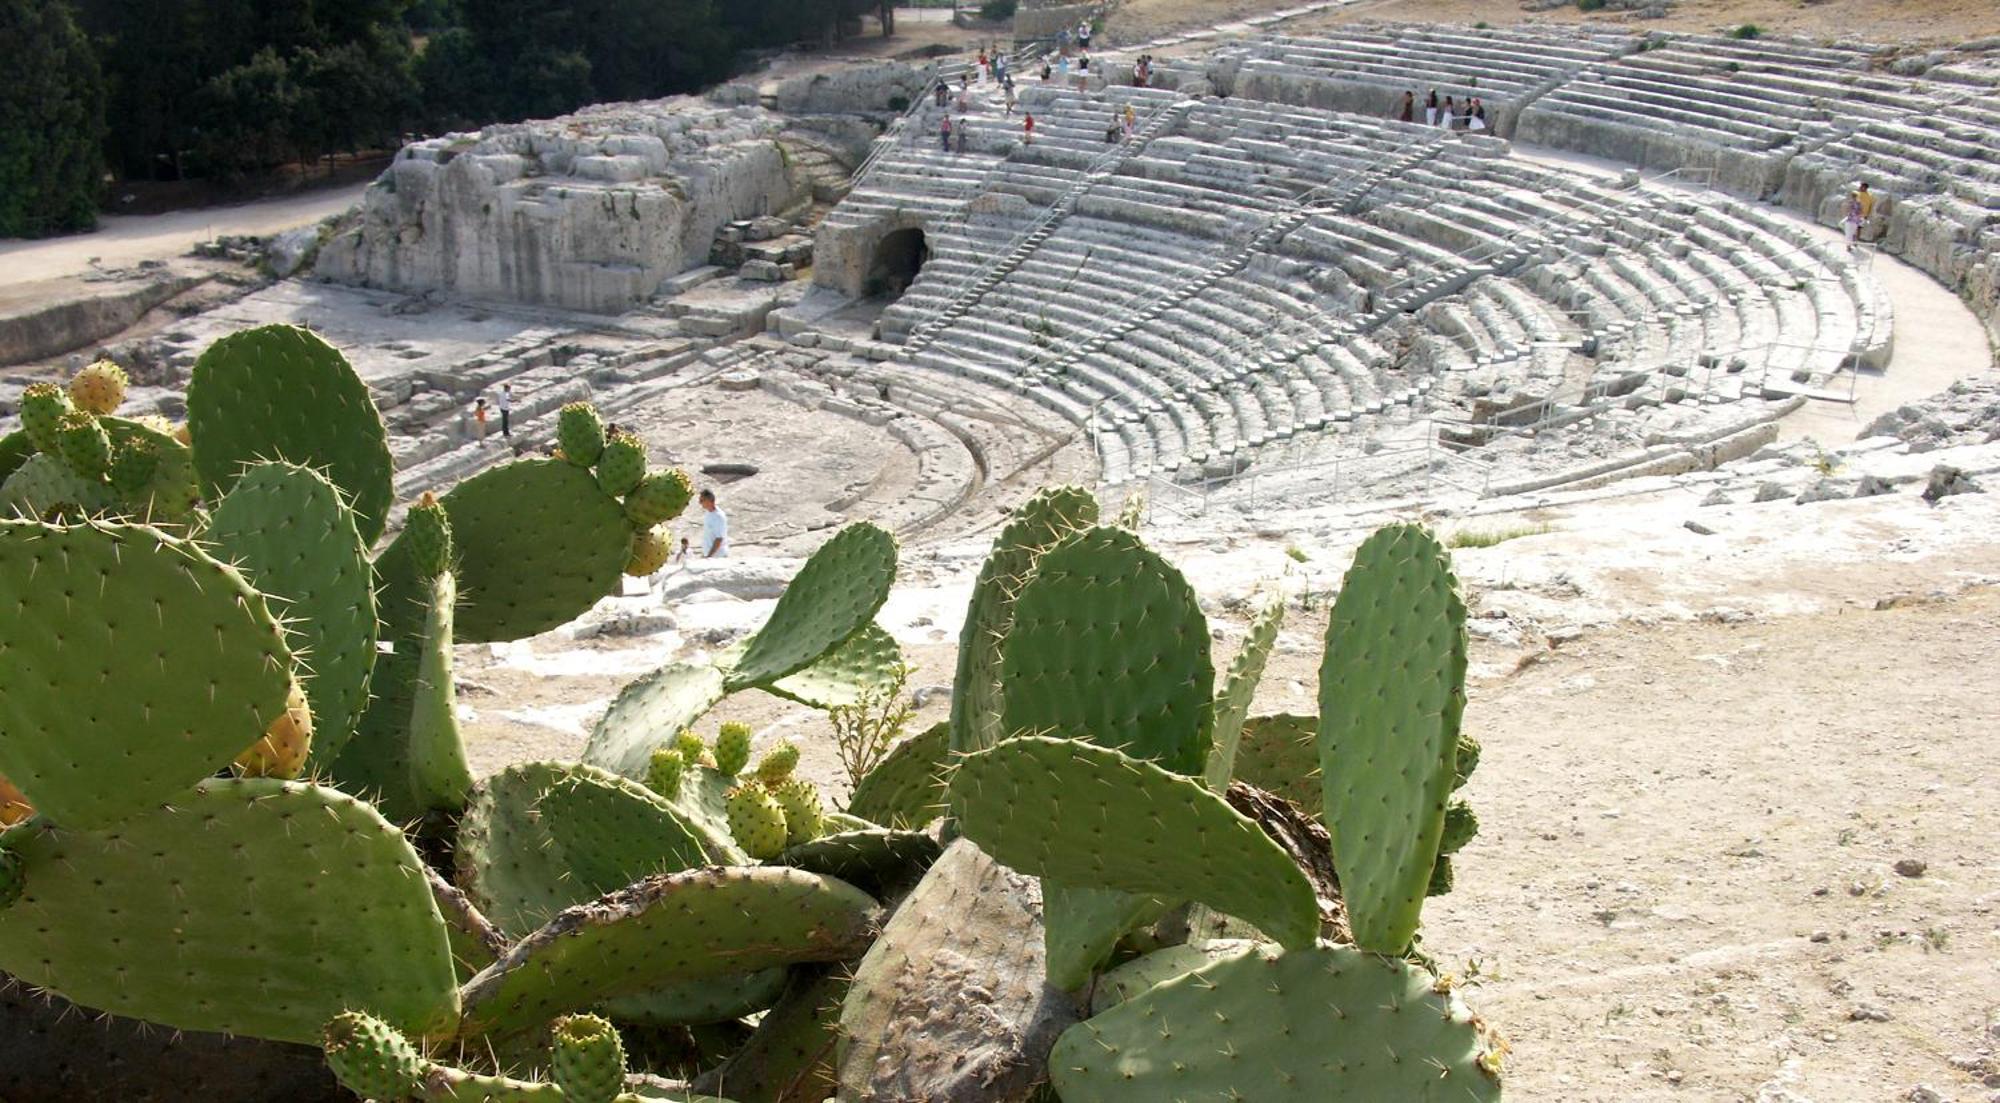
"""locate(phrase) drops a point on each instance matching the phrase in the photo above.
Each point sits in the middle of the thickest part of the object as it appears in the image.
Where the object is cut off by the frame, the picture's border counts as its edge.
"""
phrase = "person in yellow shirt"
(1867, 200)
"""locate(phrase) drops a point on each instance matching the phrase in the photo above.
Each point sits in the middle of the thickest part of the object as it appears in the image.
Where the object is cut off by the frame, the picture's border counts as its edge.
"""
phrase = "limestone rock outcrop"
(590, 211)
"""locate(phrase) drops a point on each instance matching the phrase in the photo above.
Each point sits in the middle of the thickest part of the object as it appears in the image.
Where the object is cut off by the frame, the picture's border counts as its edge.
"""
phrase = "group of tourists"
(1450, 113)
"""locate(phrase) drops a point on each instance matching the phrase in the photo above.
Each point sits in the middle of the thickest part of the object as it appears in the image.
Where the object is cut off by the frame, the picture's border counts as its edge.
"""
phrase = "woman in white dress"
(1431, 109)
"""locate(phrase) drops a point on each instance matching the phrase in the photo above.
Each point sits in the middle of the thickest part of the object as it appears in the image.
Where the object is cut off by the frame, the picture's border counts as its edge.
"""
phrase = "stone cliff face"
(588, 212)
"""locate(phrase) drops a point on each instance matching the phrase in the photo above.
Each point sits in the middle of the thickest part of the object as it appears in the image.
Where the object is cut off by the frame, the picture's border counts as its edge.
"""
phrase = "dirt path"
(121, 241)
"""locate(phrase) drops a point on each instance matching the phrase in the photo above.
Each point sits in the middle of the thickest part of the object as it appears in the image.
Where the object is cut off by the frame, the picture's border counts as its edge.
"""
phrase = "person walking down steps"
(507, 410)
(714, 528)
(944, 133)
(1431, 109)
(1408, 112)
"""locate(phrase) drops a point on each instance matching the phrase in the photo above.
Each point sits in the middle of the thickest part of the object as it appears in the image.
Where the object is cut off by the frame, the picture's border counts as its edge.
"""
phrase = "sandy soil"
(1890, 21)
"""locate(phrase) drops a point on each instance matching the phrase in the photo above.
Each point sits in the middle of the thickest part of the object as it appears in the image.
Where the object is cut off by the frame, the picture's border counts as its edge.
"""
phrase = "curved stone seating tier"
(1258, 268)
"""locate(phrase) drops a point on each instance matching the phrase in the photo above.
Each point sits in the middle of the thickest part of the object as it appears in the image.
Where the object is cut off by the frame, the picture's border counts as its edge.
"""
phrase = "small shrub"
(864, 731)
(1482, 25)
(997, 9)
(896, 103)
(1747, 31)
(1469, 539)
(1589, 5)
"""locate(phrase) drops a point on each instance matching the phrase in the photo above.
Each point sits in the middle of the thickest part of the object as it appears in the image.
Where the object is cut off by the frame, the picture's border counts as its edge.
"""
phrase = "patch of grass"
(1936, 938)
(1298, 554)
(1466, 538)
(1747, 31)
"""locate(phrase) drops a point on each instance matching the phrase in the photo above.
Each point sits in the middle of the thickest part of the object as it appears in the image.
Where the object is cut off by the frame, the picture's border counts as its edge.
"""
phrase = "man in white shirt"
(714, 528)
(507, 410)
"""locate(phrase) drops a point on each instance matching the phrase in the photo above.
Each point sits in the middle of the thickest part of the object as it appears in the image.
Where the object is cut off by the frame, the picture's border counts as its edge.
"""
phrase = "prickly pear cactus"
(45, 488)
(647, 713)
(280, 392)
(99, 388)
(14, 804)
(427, 535)
(663, 776)
(286, 529)
(776, 767)
(876, 859)
(1392, 689)
(580, 433)
(674, 927)
(622, 464)
(83, 445)
(651, 548)
(1354, 1026)
(868, 662)
(196, 914)
(588, 1059)
(440, 777)
(804, 818)
(757, 820)
(373, 1059)
(539, 837)
(732, 748)
(1112, 821)
(114, 702)
(835, 595)
(282, 752)
(42, 408)
(1279, 754)
(660, 497)
(1108, 644)
(906, 788)
(1232, 705)
(1038, 525)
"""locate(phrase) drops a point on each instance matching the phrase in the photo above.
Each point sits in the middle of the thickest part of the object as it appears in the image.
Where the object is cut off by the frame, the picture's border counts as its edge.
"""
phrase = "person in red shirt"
(1028, 129)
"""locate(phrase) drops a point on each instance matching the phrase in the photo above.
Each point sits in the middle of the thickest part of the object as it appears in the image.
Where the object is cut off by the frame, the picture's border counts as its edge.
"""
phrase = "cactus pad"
(587, 1060)
(13, 878)
(15, 448)
(1279, 754)
(1109, 645)
(280, 392)
(234, 908)
(660, 497)
(99, 388)
(1038, 525)
(539, 837)
(136, 666)
(1460, 825)
(1391, 692)
(874, 859)
(1108, 820)
(286, 529)
(867, 663)
(168, 491)
(1232, 705)
(440, 778)
(652, 712)
(1144, 973)
(538, 544)
(675, 927)
(834, 595)
(427, 536)
(714, 1000)
(371, 1058)
(1304, 1025)
(906, 788)
(44, 486)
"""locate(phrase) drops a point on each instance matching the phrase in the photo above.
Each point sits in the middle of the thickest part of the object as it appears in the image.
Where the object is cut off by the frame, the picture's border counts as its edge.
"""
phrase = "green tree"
(51, 122)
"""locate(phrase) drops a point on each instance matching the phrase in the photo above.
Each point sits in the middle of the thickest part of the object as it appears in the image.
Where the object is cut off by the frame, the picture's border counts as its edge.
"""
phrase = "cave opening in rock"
(898, 257)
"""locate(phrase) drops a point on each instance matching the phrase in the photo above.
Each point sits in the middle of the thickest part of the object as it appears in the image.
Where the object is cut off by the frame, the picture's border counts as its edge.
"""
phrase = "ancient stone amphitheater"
(1637, 270)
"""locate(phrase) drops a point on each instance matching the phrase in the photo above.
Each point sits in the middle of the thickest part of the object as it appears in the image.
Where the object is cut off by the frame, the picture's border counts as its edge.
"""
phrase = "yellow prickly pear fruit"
(804, 819)
(756, 820)
(650, 551)
(14, 806)
(732, 748)
(692, 749)
(282, 751)
(99, 388)
(775, 768)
